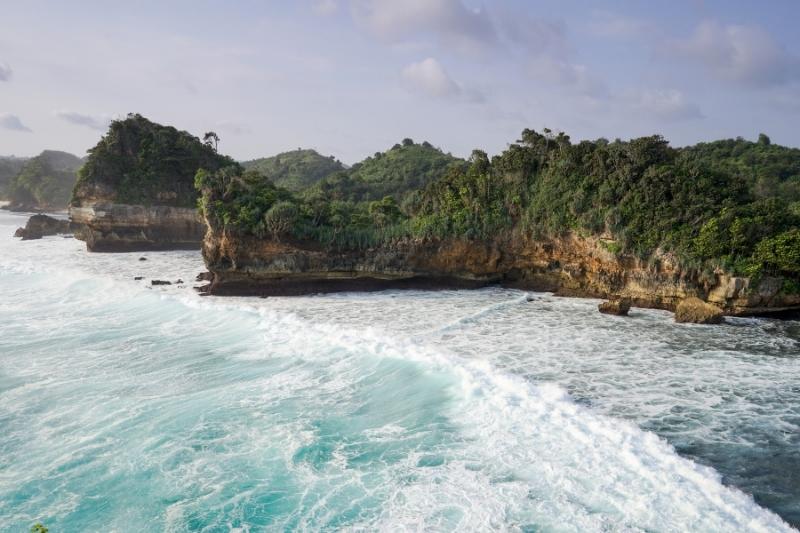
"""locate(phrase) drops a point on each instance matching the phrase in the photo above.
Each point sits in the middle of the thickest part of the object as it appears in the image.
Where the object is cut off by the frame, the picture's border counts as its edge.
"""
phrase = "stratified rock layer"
(571, 266)
(129, 228)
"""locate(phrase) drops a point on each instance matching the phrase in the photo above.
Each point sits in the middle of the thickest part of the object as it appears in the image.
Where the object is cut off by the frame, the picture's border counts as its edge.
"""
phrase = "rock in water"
(40, 225)
(160, 282)
(696, 311)
(615, 306)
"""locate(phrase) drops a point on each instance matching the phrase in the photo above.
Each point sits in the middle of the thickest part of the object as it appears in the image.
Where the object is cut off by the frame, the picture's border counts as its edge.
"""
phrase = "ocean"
(128, 407)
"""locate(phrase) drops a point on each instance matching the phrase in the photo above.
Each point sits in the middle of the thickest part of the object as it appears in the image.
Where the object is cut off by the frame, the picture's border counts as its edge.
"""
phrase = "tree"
(280, 218)
(408, 142)
(763, 140)
(38, 528)
(384, 212)
(211, 139)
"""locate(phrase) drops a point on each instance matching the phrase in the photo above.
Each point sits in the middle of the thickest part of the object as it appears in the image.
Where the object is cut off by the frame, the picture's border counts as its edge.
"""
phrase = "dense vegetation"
(9, 167)
(733, 203)
(295, 170)
(44, 181)
(141, 162)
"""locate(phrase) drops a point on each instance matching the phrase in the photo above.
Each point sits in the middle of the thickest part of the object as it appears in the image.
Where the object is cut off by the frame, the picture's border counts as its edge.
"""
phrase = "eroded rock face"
(696, 311)
(571, 266)
(128, 228)
(39, 226)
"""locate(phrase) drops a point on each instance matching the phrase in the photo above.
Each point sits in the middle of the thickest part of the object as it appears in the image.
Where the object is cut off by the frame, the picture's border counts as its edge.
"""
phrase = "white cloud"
(667, 104)
(578, 77)
(325, 8)
(743, 54)
(12, 122)
(5, 72)
(448, 21)
(428, 76)
(614, 25)
(95, 122)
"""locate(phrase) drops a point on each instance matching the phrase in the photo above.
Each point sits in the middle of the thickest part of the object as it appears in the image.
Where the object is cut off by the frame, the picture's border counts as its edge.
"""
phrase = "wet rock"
(696, 311)
(39, 226)
(142, 259)
(138, 278)
(615, 306)
(160, 282)
(204, 276)
(179, 282)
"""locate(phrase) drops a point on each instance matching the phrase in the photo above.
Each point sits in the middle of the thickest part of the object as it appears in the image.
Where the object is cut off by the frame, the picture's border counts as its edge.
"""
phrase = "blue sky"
(351, 77)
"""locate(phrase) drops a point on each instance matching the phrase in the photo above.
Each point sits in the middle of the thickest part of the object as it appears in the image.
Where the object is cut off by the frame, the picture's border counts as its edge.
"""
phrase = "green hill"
(141, 162)
(9, 167)
(397, 172)
(44, 181)
(295, 170)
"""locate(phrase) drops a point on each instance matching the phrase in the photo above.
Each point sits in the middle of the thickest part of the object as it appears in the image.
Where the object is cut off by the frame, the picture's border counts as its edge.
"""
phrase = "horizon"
(349, 78)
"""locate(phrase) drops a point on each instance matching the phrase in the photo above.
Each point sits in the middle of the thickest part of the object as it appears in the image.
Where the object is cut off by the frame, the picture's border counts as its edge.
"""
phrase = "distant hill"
(44, 181)
(295, 170)
(397, 172)
(9, 167)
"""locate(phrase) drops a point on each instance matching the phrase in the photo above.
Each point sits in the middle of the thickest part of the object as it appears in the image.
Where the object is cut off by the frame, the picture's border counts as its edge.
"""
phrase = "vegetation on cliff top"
(140, 162)
(733, 204)
(295, 170)
(44, 181)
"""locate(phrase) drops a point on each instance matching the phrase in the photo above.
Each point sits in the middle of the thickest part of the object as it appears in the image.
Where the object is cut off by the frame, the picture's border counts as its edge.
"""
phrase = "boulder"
(39, 226)
(160, 282)
(615, 306)
(696, 311)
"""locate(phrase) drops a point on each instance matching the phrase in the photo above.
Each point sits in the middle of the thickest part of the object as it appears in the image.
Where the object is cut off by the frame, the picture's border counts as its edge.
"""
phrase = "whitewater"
(128, 407)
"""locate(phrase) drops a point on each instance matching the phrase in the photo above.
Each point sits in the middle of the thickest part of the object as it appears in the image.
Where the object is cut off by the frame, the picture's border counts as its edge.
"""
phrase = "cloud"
(5, 72)
(577, 77)
(12, 122)
(325, 8)
(448, 21)
(428, 76)
(614, 25)
(94, 122)
(744, 54)
(666, 104)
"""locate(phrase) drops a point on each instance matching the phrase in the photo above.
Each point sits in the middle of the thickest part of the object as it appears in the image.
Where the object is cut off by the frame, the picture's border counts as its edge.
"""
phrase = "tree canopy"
(44, 181)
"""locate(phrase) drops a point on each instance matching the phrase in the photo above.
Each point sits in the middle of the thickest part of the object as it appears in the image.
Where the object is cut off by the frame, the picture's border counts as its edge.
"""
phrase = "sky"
(352, 77)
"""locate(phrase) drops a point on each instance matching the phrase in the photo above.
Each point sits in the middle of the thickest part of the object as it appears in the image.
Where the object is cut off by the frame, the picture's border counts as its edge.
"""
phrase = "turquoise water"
(126, 408)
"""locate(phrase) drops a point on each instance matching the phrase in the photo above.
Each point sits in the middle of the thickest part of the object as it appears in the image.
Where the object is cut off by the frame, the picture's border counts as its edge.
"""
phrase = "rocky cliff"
(136, 191)
(109, 227)
(572, 266)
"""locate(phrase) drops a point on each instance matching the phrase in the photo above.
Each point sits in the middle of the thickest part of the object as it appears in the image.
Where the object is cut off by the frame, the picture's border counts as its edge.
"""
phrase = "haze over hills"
(9, 167)
(44, 181)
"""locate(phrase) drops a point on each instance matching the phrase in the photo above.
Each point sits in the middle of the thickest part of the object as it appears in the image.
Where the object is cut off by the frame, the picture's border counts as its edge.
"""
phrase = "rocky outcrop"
(696, 311)
(615, 306)
(39, 226)
(571, 266)
(128, 228)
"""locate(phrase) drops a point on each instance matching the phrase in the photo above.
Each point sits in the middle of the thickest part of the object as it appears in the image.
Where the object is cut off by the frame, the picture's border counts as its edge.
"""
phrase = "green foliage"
(141, 162)
(396, 173)
(38, 528)
(9, 167)
(732, 204)
(295, 170)
(44, 181)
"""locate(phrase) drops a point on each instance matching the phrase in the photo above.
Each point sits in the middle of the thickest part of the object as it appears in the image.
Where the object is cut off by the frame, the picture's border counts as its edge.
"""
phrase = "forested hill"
(295, 170)
(397, 172)
(44, 181)
(9, 167)
(731, 204)
(141, 162)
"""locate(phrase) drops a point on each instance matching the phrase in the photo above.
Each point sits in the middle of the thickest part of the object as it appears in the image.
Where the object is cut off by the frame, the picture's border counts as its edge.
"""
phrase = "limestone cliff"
(136, 190)
(109, 227)
(572, 266)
